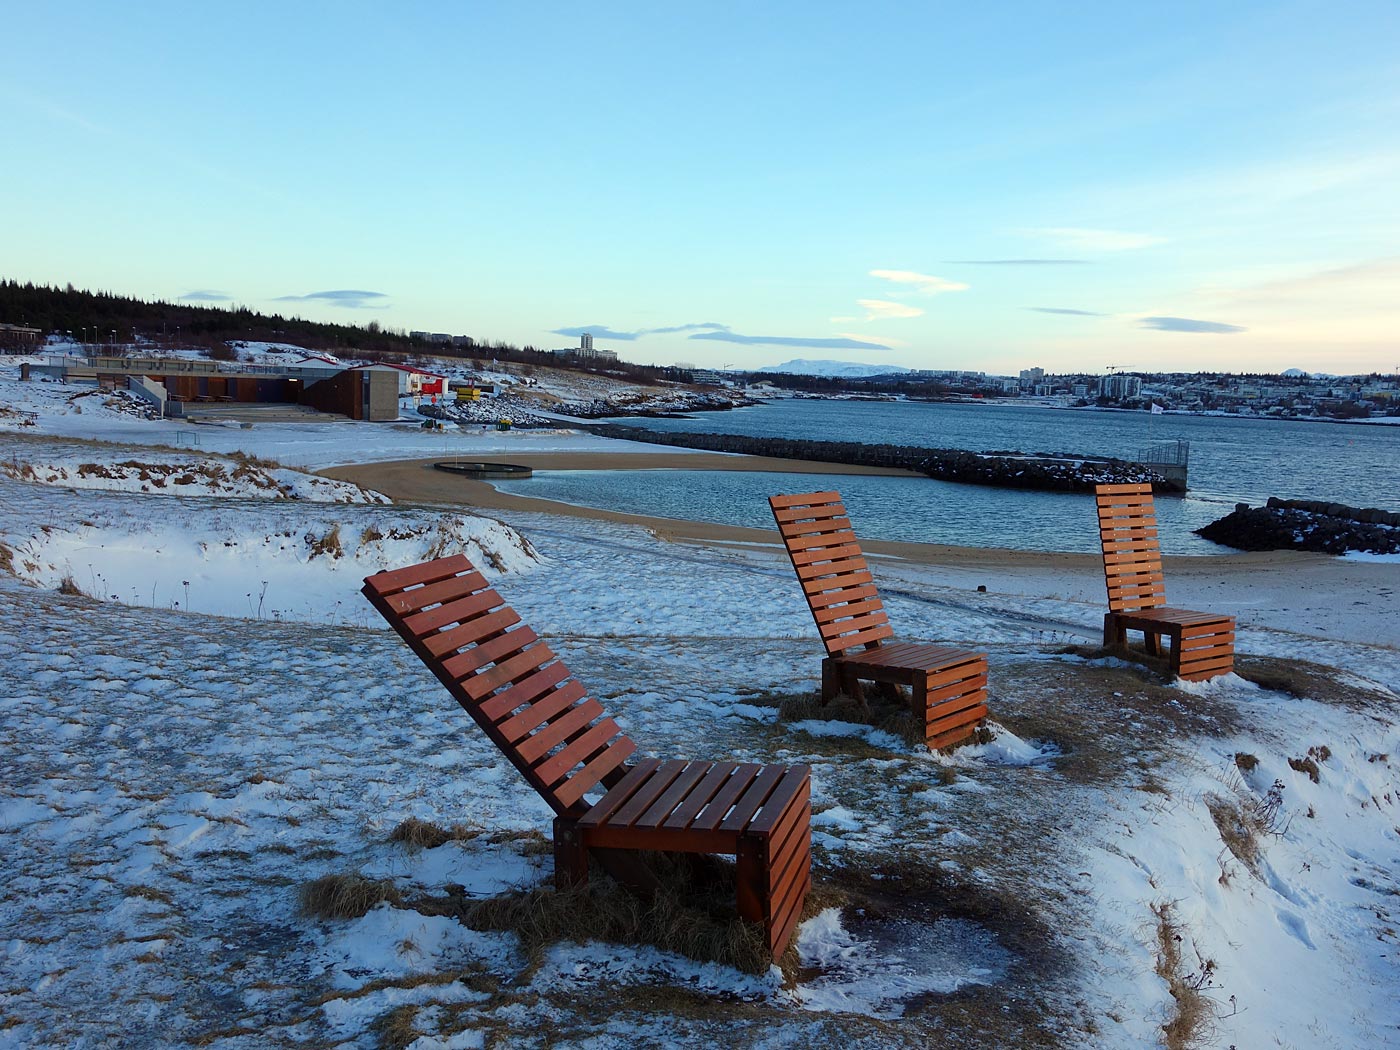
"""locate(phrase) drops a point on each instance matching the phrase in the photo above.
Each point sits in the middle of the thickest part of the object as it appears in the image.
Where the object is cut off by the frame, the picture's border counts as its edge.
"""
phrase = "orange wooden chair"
(575, 756)
(1201, 645)
(948, 685)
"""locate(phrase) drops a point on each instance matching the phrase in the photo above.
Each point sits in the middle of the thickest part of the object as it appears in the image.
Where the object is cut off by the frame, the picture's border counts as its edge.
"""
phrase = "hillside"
(104, 318)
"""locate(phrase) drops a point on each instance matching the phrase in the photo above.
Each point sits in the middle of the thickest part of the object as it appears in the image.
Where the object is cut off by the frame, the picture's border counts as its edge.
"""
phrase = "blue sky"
(1072, 186)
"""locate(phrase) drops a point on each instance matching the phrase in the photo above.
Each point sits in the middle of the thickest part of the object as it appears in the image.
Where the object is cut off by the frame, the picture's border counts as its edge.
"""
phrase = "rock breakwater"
(1058, 472)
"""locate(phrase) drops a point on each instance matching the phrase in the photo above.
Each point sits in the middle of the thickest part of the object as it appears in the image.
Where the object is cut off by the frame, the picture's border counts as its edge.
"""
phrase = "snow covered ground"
(1125, 853)
(65, 410)
(185, 475)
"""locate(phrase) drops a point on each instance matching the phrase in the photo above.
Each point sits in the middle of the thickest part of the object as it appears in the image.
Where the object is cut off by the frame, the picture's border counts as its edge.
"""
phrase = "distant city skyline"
(1178, 189)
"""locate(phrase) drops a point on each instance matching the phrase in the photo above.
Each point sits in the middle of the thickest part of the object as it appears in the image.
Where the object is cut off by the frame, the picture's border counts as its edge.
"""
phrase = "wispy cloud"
(885, 342)
(884, 310)
(348, 298)
(205, 295)
(923, 283)
(698, 326)
(602, 331)
(815, 342)
(1373, 280)
(597, 331)
(1088, 240)
(722, 333)
(1063, 310)
(1016, 262)
(1187, 324)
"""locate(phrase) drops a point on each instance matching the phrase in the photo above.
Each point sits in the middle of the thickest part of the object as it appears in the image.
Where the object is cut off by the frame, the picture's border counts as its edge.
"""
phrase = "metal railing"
(1170, 453)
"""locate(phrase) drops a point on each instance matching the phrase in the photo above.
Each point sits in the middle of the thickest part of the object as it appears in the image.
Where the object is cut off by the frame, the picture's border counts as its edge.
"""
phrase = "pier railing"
(1171, 460)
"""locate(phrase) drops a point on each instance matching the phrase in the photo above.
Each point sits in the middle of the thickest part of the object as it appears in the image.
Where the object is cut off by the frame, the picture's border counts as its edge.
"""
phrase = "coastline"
(415, 481)
(997, 402)
(1309, 595)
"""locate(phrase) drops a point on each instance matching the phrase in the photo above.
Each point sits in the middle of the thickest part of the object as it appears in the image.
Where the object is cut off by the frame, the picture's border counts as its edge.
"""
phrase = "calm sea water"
(1232, 460)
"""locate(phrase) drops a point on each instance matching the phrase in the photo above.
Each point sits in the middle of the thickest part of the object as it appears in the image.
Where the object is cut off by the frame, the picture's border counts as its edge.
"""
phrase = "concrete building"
(417, 380)
(586, 350)
(18, 338)
(180, 385)
(1118, 387)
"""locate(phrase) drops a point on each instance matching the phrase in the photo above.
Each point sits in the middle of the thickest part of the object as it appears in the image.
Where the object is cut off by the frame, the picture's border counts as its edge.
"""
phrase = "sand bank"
(1312, 594)
(415, 481)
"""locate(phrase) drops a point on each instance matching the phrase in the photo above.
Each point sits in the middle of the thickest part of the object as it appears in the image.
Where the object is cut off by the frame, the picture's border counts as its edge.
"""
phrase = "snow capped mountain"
(836, 369)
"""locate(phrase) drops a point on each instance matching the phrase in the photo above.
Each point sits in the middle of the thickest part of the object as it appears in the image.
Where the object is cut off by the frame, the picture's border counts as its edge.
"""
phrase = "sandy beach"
(1314, 594)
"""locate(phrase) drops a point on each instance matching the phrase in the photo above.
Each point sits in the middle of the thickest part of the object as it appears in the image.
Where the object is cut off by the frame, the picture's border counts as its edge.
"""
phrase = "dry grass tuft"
(1191, 1021)
(7, 559)
(150, 893)
(1308, 766)
(346, 896)
(1237, 831)
(398, 1029)
(69, 586)
(329, 544)
(887, 711)
(1245, 763)
(1307, 680)
(423, 834)
(250, 460)
(691, 913)
(1242, 824)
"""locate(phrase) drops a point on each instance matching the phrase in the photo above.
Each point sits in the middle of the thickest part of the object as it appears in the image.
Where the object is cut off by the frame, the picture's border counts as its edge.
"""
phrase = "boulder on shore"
(1281, 526)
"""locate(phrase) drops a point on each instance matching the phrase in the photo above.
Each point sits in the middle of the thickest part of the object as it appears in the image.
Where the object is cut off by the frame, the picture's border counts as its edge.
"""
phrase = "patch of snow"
(855, 974)
(1371, 556)
(1007, 749)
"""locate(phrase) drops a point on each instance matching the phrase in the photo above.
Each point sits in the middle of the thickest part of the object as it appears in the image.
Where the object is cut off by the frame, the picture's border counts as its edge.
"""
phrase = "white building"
(586, 349)
(1118, 387)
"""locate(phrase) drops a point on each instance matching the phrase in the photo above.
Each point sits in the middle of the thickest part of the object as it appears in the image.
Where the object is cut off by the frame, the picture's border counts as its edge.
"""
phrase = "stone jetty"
(1057, 472)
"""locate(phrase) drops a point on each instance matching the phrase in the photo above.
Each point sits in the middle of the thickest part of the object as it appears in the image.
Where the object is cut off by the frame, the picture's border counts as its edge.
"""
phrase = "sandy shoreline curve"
(415, 481)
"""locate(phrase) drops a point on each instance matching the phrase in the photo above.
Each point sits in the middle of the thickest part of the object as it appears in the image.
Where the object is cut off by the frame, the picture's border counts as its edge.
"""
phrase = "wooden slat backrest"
(1132, 560)
(509, 681)
(831, 570)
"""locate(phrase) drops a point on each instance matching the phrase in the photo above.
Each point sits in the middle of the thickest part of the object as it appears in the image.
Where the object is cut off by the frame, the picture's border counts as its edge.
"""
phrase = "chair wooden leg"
(752, 880)
(774, 876)
(831, 680)
(570, 855)
(1115, 636)
(918, 697)
(855, 690)
(1150, 643)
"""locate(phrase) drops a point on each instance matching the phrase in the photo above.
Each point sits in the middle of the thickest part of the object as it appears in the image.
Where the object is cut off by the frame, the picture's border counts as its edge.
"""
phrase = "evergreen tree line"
(103, 318)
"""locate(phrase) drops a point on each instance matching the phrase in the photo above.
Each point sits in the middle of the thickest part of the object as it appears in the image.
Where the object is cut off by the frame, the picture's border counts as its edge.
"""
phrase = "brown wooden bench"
(575, 756)
(1201, 645)
(948, 685)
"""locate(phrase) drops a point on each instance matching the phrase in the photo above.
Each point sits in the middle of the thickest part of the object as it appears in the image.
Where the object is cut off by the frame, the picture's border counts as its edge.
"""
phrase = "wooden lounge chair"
(1202, 645)
(948, 685)
(567, 749)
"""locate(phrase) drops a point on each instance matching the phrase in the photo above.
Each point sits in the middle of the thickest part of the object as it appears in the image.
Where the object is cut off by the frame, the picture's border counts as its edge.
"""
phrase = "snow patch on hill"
(269, 562)
(190, 476)
(835, 369)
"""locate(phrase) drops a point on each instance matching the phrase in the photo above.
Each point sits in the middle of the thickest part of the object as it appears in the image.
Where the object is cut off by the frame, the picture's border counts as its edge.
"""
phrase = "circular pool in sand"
(489, 471)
